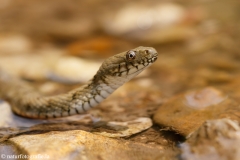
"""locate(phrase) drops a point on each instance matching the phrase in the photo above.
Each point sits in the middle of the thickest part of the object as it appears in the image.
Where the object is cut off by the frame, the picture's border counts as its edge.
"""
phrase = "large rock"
(185, 113)
(83, 145)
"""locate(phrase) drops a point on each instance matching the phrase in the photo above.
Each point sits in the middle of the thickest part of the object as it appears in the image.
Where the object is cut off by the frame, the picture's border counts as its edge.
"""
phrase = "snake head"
(140, 54)
(126, 65)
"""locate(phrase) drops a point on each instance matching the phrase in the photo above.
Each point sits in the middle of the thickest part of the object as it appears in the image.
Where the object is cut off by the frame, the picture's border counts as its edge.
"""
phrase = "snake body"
(115, 71)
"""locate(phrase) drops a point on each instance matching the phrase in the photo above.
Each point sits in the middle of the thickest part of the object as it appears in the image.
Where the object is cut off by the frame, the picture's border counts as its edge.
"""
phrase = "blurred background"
(195, 39)
(198, 41)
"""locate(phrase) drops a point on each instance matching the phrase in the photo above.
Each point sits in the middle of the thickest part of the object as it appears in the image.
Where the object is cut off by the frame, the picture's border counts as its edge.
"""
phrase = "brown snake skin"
(115, 71)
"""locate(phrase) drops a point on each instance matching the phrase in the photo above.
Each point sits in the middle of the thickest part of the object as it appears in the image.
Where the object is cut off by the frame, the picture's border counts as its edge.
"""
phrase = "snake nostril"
(151, 52)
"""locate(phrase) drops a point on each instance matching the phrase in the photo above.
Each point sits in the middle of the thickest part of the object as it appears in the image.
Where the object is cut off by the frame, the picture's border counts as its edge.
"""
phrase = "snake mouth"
(138, 70)
(152, 54)
(154, 59)
(141, 69)
(150, 61)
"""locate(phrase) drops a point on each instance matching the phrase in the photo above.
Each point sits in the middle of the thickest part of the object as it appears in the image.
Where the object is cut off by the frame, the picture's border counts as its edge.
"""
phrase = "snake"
(27, 101)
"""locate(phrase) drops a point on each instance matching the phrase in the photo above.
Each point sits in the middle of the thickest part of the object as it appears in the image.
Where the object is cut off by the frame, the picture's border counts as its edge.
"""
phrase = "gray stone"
(215, 139)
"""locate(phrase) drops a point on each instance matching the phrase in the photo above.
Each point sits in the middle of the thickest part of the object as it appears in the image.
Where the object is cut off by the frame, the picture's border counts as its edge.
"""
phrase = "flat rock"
(186, 112)
(124, 129)
(83, 145)
(215, 139)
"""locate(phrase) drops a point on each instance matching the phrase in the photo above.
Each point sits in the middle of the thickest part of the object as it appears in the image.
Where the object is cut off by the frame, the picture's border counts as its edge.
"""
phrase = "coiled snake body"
(114, 72)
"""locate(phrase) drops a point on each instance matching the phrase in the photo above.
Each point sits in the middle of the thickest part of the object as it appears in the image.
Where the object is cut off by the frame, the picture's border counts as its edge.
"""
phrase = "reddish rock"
(185, 113)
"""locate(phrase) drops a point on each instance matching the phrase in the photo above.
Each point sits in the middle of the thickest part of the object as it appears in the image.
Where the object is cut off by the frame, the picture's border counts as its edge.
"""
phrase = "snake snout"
(152, 52)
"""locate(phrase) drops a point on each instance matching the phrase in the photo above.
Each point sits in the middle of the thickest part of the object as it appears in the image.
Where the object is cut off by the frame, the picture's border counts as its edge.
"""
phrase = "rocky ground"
(186, 106)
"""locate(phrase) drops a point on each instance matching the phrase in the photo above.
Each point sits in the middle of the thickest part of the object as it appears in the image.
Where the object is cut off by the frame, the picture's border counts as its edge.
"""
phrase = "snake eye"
(130, 55)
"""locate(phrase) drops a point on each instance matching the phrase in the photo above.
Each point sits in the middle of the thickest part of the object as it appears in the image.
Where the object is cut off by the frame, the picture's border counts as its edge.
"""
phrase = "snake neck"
(97, 89)
(31, 104)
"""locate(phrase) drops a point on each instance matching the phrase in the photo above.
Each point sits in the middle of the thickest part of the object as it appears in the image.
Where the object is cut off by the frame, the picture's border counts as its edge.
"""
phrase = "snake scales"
(114, 72)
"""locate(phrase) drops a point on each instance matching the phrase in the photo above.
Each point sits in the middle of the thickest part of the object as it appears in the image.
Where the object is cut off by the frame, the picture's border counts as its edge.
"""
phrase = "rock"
(185, 113)
(204, 98)
(124, 129)
(215, 139)
(41, 64)
(84, 145)
(11, 124)
(92, 47)
(167, 35)
(98, 47)
(153, 23)
(54, 66)
(14, 44)
(58, 21)
(70, 69)
(142, 17)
